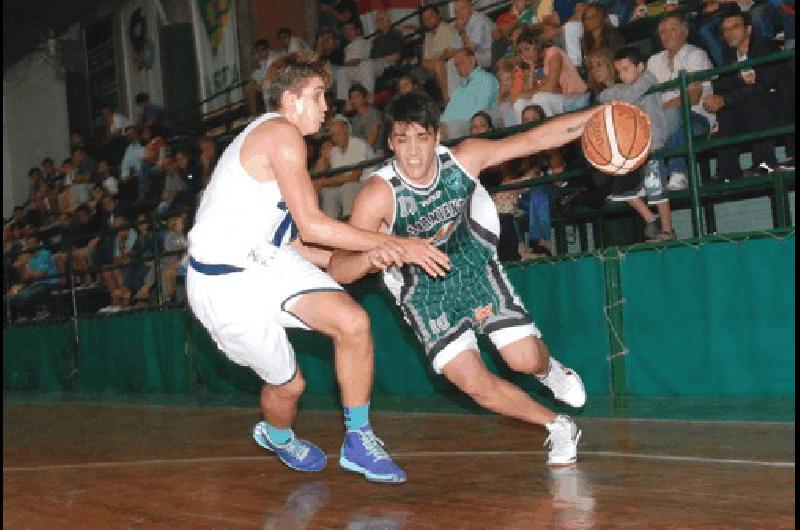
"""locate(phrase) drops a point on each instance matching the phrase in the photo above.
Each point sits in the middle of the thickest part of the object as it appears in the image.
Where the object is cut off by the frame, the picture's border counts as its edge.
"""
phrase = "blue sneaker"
(363, 452)
(298, 454)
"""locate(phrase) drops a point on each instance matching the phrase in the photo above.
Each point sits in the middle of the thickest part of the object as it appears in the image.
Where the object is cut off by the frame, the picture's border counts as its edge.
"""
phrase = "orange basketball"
(616, 140)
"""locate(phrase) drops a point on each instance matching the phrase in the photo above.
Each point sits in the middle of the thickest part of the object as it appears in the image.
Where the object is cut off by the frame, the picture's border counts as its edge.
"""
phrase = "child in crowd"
(651, 179)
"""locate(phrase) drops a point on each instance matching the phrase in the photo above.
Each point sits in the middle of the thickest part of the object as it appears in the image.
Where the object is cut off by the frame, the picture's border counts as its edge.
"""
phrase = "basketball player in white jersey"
(250, 276)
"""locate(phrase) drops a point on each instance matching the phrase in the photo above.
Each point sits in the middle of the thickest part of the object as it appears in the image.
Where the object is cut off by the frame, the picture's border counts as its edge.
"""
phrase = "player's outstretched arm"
(477, 154)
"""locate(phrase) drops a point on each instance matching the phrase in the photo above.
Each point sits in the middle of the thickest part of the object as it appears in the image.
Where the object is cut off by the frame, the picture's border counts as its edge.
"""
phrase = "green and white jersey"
(459, 214)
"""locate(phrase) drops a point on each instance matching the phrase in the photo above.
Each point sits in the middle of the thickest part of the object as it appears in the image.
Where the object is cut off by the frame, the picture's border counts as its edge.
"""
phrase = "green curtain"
(38, 358)
(716, 320)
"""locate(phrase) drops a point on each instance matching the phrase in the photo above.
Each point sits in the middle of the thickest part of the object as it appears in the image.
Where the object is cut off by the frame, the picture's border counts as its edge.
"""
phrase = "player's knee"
(478, 387)
(353, 322)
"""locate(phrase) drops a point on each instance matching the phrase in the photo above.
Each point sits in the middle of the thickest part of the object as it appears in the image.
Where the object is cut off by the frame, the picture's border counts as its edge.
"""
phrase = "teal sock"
(278, 436)
(356, 417)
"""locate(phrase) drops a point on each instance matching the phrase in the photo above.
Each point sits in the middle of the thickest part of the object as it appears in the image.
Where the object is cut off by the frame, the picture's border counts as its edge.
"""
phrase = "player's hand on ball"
(422, 252)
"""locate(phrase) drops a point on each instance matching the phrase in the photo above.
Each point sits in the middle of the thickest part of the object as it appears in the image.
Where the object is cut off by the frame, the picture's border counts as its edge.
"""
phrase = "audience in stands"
(651, 178)
(749, 100)
(37, 269)
(598, 32)
(334, 14)
(338, 192)
(474, 30)
(262, 58)
(600, 72)
(539, 221)
(677, 55)
(387, 44)
(439, 44)
(477, 90)
(357, 67)
(175, 260)
(152, 116)
(367, 121)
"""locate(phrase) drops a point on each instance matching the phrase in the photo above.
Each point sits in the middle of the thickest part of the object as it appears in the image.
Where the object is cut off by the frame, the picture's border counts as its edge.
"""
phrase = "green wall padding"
(716, 320)
(38, 358)
(136, 353)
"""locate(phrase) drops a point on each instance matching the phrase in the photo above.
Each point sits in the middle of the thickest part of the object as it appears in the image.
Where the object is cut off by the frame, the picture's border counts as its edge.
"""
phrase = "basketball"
(616, 140)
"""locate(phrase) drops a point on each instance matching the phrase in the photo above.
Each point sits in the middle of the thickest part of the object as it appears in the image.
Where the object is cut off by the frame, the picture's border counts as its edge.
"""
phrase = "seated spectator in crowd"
(387, 44)
(113, 253)
(406, 83)
(555, 84)
(771, 17)
(109, 211)
(139, 273)
(76, 139)
(38, 271)
(564, 26)
(83, 163)
(107, 178)
(333, 14)
(151, 179)
(439, 44)
(84, 234)
(37, 188)
(98, 193)
(474, 30)
(175, 194)
(17, 217)
(207, 161)
(598, 32)
(750, 100)
(600, 72)
(673, 31)
(367, 122)
(477, 91)
(50, 172)
(75, 194)
(539, 222)
(112, 133)
(707, 30)
(152, 116)
(338, 192)
(357, 67)
(175, 256)
(252, 90)
(329, 48)
(131, 165)
(502, 44)
(288, 43)
(651, 178)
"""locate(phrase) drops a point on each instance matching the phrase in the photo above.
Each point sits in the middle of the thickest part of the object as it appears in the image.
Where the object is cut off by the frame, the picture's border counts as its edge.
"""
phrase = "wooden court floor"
(98, 466)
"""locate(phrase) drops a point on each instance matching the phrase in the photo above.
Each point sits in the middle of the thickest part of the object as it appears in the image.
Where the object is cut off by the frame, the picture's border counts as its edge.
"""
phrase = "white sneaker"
(563, 441)
(678, 181)
(565, 384)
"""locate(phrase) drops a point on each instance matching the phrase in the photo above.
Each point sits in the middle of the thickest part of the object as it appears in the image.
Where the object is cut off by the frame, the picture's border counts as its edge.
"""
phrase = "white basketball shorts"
(247, 312)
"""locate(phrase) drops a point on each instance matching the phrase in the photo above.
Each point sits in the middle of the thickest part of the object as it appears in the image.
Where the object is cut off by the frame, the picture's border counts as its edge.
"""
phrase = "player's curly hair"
(290, 73)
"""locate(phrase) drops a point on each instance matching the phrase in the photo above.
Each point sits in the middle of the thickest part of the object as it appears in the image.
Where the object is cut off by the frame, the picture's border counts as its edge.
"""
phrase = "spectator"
(17, 217)
(673, 31)
(153, 116)
(37, 188)
(555, 84)
(600, 71)
(39, 272)
(771, 17)
(106, 178)
(477, 91)
(207, 162)
(406, 83)
(252, 90)
(475, 32)
(357, 67)
(367, 122)
(175, 256)
(707, 27)
(337, 192)
(174, 195)
(151, 179)
(539, 221)
(334, 14)
(598, 32)
(112, 135)
(83, 163)
(131, 166)
(329, 48)
(113, 253)
(749, 100)
(651, 179)
(49, 172)
(502, 43)
(139, 273)
(440, 43)
(387, 44)
(288, 43)
(76, 140)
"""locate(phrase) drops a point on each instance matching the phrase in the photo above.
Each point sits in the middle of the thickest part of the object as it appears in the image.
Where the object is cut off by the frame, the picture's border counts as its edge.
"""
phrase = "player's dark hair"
(632, 53)
(415, 107)
(290, 73)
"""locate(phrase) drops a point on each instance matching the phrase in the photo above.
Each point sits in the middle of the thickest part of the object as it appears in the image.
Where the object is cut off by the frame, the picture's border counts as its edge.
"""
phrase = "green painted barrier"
(691, 319)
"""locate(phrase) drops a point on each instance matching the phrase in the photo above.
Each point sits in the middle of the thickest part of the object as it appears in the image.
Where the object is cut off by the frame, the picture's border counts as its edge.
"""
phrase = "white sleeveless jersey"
(240, 221)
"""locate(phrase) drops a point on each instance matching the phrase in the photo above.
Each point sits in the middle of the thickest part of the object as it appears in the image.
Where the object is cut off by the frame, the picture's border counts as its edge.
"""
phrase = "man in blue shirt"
(478, 91)
(40, 270)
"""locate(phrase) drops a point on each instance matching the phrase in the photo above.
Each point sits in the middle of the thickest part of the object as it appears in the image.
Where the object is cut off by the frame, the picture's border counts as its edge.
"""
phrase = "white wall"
(35, 122)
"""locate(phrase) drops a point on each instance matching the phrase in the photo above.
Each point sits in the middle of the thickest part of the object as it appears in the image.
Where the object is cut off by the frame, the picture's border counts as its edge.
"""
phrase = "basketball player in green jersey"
(430, 191)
